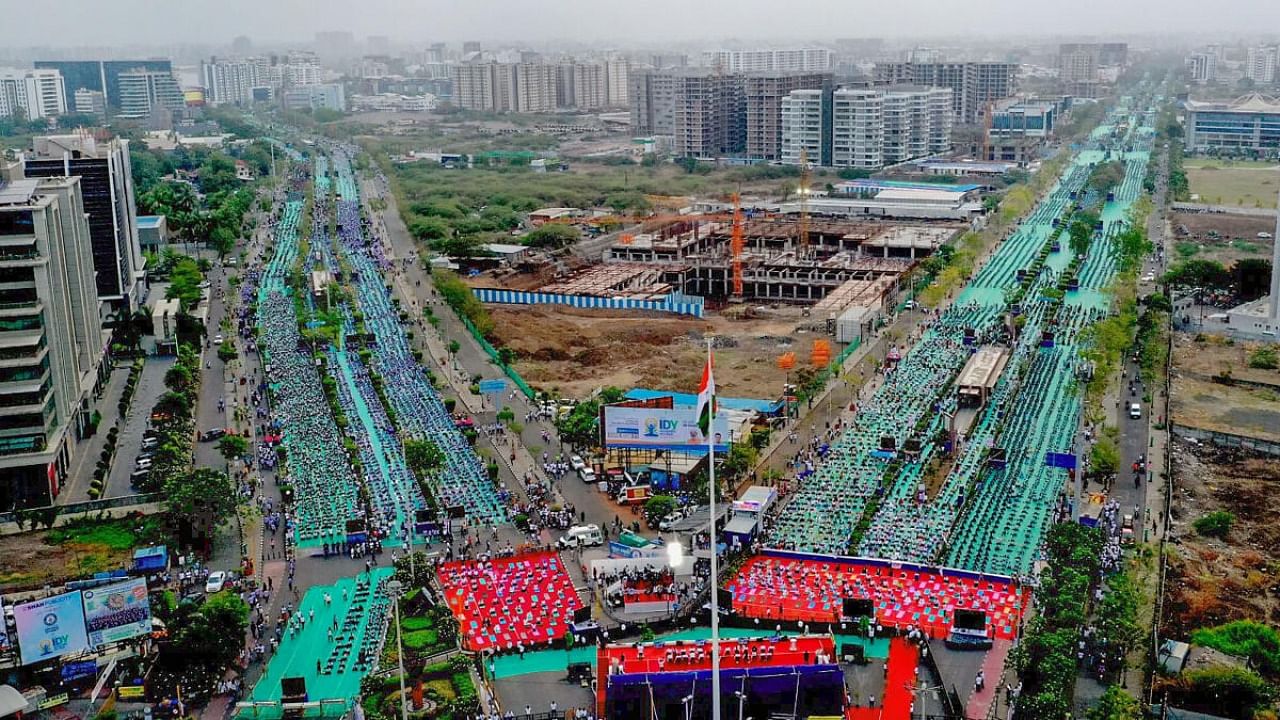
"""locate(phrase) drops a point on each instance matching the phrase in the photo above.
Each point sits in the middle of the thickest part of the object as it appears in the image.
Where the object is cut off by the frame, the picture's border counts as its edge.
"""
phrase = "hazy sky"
(620, 22)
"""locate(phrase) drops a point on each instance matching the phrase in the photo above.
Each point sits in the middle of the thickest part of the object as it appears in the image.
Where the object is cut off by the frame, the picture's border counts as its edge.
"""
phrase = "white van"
(581, 536)
(1135, 411)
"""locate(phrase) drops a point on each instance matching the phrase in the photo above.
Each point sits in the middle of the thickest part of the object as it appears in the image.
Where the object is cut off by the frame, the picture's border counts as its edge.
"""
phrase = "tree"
(206, 638)
(454, 347)
(1105, 455)
(658, 507)
(1245, 638)
(179, 378)
(553, 236)
(227, 351)
(1252, 277)
(429, 229)
(1208, 274)
(233, 446)
(202, 494)
(423, 457)
(1081, 232)
(1116, 704)
(579, 426)
(184, 283)
(1215, 524)
(741, 459)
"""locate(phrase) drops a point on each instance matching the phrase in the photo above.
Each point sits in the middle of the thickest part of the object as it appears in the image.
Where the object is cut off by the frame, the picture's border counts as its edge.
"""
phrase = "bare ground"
(27, 561)
(1224, 237)
(1213, 355)
(1213, 581)
(572, 352)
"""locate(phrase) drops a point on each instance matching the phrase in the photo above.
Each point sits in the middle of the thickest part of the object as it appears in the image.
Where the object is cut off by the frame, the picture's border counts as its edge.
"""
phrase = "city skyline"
(66, 23)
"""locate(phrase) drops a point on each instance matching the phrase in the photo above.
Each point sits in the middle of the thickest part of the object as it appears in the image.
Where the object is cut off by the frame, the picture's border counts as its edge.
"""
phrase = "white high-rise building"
(735, 61)
(91, 102)
(866, 128)
(802, 126)
(1203, 67)
(1260, 64)
(617, 82)
(37, 93)
(144, 91)
(230, 82)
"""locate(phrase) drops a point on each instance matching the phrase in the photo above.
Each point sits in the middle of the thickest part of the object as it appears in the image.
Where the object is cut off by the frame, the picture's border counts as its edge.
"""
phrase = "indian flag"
(706, 399)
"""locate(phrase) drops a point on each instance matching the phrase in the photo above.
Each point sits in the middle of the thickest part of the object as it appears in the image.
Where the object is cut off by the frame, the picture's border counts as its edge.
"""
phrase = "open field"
(1236, 409)
(1215, 355)
(1212, 581)
(33, 559)
(1251, 187)
(572, 352)
(1221, 237)
(1224, 163)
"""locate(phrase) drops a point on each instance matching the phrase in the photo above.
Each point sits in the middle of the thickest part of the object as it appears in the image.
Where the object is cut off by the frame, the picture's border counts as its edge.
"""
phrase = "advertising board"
(658, 429)
(117, 612)
(50, 627)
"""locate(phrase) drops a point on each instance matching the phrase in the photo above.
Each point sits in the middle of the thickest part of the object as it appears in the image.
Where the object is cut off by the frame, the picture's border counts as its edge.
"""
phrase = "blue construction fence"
(675, 303)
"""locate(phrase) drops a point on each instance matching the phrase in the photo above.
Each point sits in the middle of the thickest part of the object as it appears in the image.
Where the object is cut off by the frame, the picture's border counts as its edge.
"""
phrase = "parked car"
(217, 580)
(217, 339)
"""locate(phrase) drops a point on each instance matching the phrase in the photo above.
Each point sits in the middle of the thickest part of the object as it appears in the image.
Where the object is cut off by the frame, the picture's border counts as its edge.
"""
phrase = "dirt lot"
(1221, 237)
(572, 352)
(1251, 187)
(27, 561)
(1199, 401)
(1213, 581)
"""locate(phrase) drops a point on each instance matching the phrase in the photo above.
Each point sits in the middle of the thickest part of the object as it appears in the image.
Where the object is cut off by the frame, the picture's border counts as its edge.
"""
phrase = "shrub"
(1245, 638)
(1264, 358)
(1215, 524)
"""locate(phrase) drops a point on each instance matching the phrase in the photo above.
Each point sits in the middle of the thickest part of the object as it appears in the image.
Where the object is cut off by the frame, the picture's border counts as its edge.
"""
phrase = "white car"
(576, 462)
(217, 580)
(217, 339)
(205, 285)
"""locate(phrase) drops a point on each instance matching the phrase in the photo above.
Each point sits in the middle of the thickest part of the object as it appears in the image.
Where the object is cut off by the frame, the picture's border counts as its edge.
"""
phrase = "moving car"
(1135, 411)
(217, 580)
(587, 474)
(581, 536)
(576, 462)
(212, 434)
(217, 339)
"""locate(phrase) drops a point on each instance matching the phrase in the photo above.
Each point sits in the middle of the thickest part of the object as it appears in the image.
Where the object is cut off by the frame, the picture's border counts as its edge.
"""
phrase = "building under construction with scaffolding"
(776, 259)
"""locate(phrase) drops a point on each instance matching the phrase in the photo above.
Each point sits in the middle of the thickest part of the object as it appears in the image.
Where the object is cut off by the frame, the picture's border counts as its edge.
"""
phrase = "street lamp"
(394, 588)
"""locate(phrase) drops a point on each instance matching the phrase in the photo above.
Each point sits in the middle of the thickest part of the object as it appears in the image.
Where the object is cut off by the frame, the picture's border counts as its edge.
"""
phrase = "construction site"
(764, 283)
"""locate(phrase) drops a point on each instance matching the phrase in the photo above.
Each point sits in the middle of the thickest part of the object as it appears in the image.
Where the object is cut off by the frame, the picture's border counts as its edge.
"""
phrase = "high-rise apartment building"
(507, 87)
(710, 116)
(866, 128)
(230, 81)
(653, 103)
(617, 82)
(326, 96)
(791, 60)
(473, 86)
(106, 184)
(1203, 67)
(142, 92)
(51, 334)
(1260, 64)
(762, 96)
(32, 93)
(100, 75)
(583, 86)
(973, 84)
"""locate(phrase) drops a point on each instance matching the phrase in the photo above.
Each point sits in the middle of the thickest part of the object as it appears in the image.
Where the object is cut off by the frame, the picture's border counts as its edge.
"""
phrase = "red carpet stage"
(812, 589)
(502, 604)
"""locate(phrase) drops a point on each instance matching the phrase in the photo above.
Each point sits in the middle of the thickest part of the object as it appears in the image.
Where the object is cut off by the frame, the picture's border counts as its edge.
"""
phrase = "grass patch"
(420, 639)
(442, 686)
(416, 623)
(123, 534)
(1186, 250)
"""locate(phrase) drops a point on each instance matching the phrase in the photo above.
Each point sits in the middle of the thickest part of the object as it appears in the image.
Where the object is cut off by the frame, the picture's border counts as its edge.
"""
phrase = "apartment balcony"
(27, 383)
(21, 308)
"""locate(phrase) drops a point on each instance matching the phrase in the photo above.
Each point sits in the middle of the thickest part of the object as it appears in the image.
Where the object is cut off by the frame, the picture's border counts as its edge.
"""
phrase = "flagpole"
(715, 575)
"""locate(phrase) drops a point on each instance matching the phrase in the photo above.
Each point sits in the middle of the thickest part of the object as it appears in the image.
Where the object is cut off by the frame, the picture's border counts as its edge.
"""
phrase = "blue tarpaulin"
(150, 559)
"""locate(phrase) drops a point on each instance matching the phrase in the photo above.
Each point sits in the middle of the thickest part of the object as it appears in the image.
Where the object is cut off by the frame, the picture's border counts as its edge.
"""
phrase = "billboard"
(117, 612)
(657, 429)
(50, 627)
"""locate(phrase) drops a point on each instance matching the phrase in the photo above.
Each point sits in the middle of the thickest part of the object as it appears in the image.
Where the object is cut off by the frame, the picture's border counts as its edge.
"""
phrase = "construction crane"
(736, 246)
(802, 189)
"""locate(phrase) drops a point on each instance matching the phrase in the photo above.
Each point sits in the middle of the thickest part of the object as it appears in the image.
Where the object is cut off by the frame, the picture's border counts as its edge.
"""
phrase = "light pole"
(394, 588)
